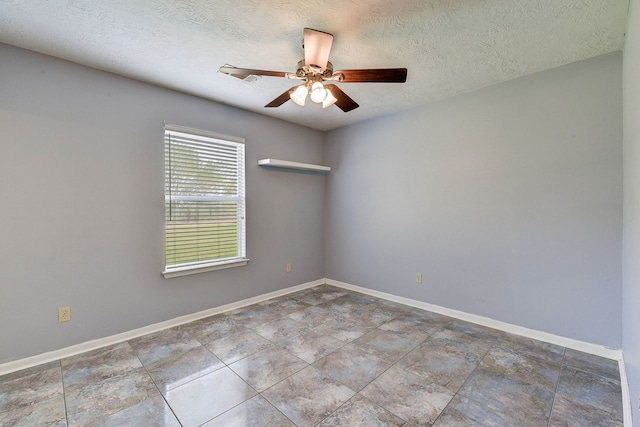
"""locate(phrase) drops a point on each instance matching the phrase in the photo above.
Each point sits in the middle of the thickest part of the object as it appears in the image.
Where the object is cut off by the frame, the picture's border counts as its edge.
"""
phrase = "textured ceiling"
(448, 46)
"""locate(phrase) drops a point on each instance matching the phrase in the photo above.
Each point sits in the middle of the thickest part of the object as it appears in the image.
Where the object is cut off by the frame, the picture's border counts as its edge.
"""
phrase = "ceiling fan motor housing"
(303, 70)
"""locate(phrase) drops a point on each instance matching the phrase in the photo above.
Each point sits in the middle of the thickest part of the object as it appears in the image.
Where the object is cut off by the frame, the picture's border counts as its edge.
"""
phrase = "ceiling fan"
(315, 69)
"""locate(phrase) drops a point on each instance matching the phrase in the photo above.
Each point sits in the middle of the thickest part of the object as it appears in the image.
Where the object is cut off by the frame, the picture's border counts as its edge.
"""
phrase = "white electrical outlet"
(418, 277)
(289, 268)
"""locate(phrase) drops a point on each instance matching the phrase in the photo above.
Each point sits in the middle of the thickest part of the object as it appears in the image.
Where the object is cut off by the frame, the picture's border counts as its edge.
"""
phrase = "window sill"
(185, 271)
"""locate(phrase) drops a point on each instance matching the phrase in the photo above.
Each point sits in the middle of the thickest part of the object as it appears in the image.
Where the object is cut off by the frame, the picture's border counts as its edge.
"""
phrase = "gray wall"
(81, 205)
(631, 248)
(508, 200)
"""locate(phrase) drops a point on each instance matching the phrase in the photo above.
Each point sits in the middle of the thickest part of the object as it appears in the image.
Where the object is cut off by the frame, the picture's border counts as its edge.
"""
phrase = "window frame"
(196, 267)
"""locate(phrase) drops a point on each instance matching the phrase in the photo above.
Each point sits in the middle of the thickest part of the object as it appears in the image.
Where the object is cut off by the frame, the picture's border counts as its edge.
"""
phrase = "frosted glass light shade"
(318, 92)
(329, 100)
(299, 95)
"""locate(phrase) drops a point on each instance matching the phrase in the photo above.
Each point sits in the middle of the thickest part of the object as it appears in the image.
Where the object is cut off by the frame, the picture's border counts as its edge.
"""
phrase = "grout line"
(164, 399)
(555, 391)
(467, 379)
(64, 393)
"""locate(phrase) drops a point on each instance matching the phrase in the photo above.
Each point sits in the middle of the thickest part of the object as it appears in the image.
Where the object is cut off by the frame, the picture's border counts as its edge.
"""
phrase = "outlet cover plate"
(64, 314)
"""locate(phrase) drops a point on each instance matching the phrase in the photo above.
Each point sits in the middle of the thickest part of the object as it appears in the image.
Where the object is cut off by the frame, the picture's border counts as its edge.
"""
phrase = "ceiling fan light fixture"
(315, 74)
(299, 95)
(329, 100)
(318, 93)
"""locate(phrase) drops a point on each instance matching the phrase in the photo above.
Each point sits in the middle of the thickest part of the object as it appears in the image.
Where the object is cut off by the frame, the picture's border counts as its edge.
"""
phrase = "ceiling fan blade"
(317, 45)
(374, 75)
(243, 73)
(343, 101)
(282, 98)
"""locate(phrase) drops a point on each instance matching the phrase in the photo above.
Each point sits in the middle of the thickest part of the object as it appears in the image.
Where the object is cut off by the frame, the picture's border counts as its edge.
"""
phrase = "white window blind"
(204, 201)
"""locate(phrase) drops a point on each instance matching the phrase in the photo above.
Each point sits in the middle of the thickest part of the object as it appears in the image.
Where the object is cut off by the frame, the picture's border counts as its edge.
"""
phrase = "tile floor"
(319, 357)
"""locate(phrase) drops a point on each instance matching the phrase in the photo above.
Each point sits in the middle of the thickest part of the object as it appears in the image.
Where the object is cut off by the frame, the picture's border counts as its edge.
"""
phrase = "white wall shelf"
(286, 164)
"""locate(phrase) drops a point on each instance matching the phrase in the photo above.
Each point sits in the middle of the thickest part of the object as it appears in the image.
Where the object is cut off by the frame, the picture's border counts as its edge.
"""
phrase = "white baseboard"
(28, 362)
(598, 350)
(51, 356)
(586, 347)
(626, 396)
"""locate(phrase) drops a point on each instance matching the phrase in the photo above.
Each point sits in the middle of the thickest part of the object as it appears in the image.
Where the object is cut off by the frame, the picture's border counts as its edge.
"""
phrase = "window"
(204, 201)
